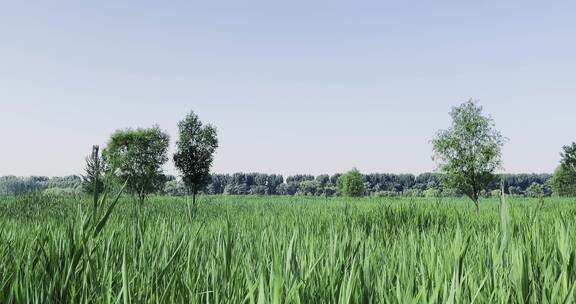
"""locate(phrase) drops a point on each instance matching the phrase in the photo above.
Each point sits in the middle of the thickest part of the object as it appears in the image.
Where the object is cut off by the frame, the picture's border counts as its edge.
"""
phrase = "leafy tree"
(351, 184)
(13, 185)
(469, 151)
(137, 156)
(334, 178)
(218, 183)
(92, 180)
(272, 183)
(563, 182)
(195, 153)
(288, 188)
(519, 183)
(323, 180)
(535, 190)
(237, 185)
(258, 190)
(569, 157)
(308, 187)
(300, 178)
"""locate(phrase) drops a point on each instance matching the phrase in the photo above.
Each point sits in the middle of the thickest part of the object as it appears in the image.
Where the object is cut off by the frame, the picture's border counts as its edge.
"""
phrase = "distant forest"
(384, 185)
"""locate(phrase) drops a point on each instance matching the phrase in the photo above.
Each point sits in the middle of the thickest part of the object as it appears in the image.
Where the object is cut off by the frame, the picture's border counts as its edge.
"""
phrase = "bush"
(351, 184)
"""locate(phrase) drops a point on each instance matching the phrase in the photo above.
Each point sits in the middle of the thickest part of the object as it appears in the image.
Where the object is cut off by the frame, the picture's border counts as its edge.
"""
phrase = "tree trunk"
(193, 198)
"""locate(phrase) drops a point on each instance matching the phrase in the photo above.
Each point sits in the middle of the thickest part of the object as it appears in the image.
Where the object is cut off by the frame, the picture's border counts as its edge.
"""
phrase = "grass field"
(286, 250)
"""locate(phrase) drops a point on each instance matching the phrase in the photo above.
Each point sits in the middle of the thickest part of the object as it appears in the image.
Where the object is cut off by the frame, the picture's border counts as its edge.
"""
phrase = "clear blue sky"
(293, 87)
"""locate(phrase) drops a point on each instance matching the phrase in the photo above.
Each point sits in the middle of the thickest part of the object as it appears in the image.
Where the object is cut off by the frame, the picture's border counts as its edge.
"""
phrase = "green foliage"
(330, 190)
(92, 181)
(195, 152)
(351, 184)
(535, 191)
(432, 192)
(138, 156)
(469, 151)
(569, 157)
(15, 185)
(563, 182)
(309, 187)
(376, 184)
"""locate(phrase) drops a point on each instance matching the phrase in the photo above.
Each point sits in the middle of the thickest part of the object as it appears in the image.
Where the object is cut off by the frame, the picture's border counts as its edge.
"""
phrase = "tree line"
(468, 154)
(375, 184)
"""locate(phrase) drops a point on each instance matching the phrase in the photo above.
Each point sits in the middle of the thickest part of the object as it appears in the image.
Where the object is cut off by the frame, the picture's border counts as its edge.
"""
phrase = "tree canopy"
(351, 184)
(563, 182)
(195, 152)
(469, 151)
(569, 157)
(137, 156)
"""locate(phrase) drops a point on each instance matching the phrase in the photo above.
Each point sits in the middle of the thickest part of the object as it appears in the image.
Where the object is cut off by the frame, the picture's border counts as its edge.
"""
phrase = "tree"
(535, 190)
(288, 188)
(351, 184)
(138, 156)
(92, 181)
(308, 187)
(329, 191)
(469, 151)
(563, 182)
(569, 157)
(195, 152)
(272, 183)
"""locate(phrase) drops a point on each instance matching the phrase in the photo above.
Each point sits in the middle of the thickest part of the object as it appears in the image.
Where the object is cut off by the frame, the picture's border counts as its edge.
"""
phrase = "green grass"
(286, 250)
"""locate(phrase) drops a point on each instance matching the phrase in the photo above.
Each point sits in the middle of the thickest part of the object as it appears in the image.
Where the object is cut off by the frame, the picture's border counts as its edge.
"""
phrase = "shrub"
(351, 184)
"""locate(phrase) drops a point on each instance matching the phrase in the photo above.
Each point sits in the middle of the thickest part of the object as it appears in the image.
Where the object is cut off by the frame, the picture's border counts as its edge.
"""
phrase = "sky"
(292, 86)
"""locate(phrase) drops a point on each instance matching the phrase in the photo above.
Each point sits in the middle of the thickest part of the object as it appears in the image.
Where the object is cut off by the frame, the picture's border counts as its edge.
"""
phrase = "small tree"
(92, 181)
(469, 151)
(563, 182)
(569, 157)
(138, 156)
(351, 184)
(195, 152)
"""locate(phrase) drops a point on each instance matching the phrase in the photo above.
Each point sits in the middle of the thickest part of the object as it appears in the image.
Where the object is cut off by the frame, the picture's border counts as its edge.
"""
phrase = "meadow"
(280, 249)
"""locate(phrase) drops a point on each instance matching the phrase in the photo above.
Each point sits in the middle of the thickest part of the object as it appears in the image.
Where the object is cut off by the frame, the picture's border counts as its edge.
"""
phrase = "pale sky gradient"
(293, 87)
